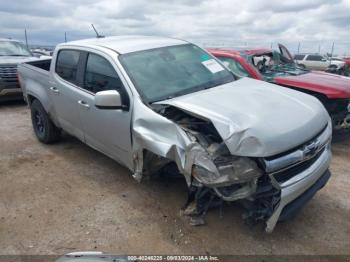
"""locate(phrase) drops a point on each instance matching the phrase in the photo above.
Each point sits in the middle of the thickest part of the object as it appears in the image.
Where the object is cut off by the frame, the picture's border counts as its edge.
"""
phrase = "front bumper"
(9, 90)
(298, 185)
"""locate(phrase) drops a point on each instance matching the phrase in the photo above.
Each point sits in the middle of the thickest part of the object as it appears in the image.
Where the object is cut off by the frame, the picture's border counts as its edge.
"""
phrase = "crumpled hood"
(255, 118)
(5, 60)
(333, 86)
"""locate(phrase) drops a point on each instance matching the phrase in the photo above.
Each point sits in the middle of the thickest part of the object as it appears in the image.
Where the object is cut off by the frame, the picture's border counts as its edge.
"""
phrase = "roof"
(9, 40)
(243, 50)
(127, 44)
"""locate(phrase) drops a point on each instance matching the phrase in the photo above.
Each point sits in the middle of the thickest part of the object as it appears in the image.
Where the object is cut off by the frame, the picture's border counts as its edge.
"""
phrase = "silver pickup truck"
(156, 104)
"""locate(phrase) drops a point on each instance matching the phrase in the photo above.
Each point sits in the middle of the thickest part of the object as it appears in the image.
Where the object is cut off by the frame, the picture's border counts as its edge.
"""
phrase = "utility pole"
(65, 37)
(332, 52)
(298, 47)
(25, 35)
(319, 48)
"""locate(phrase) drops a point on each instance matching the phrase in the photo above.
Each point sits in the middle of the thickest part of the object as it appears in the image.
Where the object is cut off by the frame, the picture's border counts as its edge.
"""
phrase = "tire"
(44, 129)
(302, 66)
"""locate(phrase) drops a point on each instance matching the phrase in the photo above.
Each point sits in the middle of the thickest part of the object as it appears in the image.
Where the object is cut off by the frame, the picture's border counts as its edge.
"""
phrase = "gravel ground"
(67, 197)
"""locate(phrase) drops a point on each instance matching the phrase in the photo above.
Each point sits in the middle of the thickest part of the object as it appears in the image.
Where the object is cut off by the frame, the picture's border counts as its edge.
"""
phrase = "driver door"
(107, 130)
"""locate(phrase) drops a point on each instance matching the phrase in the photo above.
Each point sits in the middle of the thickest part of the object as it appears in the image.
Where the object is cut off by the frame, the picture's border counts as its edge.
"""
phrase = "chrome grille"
(286, 174)
(8, 73)
(285, 166)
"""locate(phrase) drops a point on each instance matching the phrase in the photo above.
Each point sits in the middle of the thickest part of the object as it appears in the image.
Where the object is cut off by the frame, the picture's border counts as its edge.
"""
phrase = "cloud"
(313, 23)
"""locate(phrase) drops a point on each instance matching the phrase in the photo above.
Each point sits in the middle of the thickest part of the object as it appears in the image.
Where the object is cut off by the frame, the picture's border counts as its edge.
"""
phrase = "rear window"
(67, 65)
(299, 57)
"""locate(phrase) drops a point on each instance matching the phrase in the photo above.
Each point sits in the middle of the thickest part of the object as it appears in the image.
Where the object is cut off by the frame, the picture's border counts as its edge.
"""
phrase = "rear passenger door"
(107, 130)
(63, 91)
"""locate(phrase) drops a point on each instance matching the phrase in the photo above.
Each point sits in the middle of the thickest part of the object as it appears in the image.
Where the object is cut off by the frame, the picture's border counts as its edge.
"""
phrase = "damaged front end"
(215, 175)
(212, 173)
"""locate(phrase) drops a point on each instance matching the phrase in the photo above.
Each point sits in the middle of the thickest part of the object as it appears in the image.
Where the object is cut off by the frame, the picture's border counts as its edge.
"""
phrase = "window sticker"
(213, 66)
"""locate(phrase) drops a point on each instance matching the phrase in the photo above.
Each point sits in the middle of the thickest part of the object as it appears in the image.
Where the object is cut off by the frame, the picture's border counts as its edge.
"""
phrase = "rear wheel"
(44, 129)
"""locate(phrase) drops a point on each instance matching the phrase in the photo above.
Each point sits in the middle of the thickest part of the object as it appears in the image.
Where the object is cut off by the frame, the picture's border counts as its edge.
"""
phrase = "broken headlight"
(225, 171)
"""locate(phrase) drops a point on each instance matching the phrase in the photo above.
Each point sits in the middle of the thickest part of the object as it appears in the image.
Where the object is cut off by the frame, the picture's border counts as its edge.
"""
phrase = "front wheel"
(44, 129)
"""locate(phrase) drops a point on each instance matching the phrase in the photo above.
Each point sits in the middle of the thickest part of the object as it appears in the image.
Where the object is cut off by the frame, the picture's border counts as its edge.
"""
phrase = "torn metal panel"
(212, 142)
(212, 145)
(160, 136)
(247, 119)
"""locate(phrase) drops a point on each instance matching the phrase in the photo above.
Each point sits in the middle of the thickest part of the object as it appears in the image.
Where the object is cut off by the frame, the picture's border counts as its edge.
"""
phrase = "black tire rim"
(39, 122)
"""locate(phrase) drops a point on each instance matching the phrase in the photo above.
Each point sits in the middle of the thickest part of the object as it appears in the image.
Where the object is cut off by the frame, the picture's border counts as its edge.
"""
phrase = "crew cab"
(12, 53)
(155, 103)
(279, 68)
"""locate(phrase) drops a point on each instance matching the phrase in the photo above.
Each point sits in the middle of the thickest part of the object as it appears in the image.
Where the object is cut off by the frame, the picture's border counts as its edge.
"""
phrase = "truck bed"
(36, 75)
(43, 64)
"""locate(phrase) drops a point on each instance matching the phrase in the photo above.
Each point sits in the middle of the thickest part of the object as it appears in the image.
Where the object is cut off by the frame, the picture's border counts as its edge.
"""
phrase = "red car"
(347, 66)
(278, 67)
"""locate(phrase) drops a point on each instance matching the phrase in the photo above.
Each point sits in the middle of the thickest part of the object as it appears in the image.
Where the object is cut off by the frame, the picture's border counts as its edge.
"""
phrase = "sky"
(315, 24)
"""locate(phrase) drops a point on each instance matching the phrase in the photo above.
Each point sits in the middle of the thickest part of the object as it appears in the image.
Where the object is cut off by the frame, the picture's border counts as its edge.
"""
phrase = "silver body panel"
(244, 113)
(293, 189)
(254, 118)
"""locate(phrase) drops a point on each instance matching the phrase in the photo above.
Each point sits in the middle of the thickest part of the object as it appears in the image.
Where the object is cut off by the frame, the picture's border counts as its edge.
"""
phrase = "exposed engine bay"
(226, 153)
(217, 176)
(274, 64)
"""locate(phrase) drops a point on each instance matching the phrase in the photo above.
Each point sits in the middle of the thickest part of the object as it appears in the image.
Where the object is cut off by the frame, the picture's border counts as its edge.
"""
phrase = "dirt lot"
(67, 197)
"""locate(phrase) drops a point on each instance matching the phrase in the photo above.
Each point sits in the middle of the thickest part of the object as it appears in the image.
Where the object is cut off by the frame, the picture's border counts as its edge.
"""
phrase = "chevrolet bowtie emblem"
(311, 149)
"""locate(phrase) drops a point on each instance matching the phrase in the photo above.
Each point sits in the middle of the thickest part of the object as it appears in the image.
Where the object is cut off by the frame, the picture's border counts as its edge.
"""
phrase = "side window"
(314, 58)
(67, 65)
(299, 57)
(234, 66)
(100, 75)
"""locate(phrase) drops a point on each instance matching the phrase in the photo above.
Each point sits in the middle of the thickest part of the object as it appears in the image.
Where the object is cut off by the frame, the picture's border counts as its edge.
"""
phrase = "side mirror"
(109, 99)
(324, 59)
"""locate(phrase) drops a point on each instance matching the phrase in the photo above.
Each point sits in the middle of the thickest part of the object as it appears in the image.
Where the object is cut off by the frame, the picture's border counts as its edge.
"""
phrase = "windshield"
(167, 72)
(11, 48)
(274, 64)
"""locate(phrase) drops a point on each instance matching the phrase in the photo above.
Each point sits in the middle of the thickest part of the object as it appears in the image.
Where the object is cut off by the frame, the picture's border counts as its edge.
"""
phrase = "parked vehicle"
(153, 103)
(346, 71)
(278, 67)
(320, 62)
(12, 53)
(43, 54)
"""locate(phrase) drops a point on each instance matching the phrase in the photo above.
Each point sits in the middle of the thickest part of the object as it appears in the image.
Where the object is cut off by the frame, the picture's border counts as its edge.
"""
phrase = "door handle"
(83, 104)
(55, 90)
